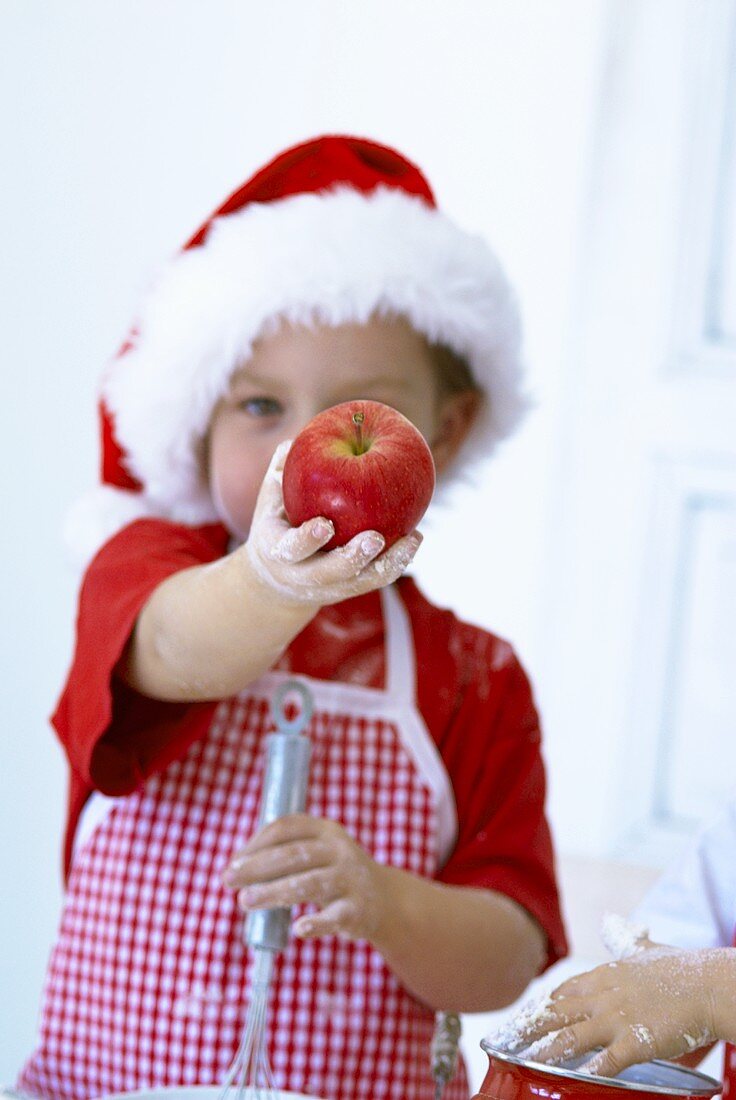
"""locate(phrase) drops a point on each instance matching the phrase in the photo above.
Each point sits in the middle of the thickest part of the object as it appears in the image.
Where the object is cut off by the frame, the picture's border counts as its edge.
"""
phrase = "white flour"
(508, 1036)
(642, 1033)
(621, 938)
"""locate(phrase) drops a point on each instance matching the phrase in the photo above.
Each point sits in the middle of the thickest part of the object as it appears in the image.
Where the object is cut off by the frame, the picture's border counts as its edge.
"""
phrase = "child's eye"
(260, 406)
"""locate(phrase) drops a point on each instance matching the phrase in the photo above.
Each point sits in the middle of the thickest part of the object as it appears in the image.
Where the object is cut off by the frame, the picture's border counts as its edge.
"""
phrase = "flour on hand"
(621, 938)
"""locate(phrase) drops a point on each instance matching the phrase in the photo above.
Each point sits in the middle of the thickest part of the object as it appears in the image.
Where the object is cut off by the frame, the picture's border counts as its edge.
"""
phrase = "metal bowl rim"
(712, 1088)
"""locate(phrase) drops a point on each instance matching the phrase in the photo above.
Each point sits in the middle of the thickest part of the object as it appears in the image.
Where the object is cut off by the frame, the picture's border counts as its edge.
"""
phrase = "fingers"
(569, 1042)
(590, 984)
(318, 887)
(381, 571)
(303, 860)
(616, 1057)
(345, 562)
(292, 827)
(535, 1019)
(298, 543)
(646, 1006)
(288, 559)
(271, 863)
(340, 918)
(607, 1063)
(391, 565)
(559, 1013)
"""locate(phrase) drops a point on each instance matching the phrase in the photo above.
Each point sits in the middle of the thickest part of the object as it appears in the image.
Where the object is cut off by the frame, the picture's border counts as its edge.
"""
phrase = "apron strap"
(399, 648)
(401, 687)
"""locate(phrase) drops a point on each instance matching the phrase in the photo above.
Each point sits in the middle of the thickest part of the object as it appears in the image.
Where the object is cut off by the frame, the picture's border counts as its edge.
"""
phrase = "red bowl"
(510, 1077)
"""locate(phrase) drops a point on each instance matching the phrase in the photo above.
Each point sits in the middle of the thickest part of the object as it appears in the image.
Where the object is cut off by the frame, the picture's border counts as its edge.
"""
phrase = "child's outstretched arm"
(209, 631)
(662, 1002)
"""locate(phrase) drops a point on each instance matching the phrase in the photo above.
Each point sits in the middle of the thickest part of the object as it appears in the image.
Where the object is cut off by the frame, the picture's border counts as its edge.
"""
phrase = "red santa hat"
(332, 231)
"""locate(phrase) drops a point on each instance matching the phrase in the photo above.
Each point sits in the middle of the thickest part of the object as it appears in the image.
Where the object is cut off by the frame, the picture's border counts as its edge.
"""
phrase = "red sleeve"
(478, 705)
(493, 753)
(113, 737)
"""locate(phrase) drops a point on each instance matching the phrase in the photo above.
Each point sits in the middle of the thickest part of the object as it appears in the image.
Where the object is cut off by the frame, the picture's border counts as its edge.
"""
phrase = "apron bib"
(148, 982)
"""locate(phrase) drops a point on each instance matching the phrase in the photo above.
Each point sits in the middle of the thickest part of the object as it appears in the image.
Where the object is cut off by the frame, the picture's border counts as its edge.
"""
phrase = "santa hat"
(332, 231)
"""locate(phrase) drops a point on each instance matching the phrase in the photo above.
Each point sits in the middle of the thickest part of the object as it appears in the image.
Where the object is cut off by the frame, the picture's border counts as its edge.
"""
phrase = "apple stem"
(358, 418)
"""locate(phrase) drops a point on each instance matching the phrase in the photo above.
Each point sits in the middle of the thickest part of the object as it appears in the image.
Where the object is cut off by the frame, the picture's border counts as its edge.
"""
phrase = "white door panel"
(699, 708)
(640, 687)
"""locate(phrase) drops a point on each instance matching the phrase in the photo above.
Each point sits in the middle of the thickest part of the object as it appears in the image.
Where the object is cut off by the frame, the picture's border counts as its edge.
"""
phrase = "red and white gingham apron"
(148, 982)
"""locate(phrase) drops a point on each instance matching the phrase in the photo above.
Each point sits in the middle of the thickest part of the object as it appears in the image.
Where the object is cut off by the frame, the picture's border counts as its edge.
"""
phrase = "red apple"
(364, 466)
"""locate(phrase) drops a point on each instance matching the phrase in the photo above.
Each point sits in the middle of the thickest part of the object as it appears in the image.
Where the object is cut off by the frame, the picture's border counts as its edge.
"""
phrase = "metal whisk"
(267, 930)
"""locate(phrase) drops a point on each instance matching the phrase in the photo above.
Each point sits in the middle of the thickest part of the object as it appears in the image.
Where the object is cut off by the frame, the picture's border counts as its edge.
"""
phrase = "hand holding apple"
(362, 465)
(287, 562)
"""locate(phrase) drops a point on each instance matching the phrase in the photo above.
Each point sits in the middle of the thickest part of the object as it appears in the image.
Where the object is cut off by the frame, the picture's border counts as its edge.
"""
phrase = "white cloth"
(694, 903)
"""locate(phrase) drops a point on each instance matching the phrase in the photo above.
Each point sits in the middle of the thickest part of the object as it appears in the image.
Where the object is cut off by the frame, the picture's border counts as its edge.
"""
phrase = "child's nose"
(307, 414)
(309, 407)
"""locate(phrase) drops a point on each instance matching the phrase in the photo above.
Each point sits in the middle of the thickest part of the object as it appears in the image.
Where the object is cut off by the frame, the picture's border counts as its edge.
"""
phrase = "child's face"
(297, 373)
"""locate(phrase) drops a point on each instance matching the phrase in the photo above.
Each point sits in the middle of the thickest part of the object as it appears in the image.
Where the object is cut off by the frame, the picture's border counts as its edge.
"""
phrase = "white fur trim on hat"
(331, 258)
(99, 514)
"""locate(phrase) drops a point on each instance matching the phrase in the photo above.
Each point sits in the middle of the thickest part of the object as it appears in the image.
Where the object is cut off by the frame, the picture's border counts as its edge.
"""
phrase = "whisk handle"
(286, 776)
(284, 792)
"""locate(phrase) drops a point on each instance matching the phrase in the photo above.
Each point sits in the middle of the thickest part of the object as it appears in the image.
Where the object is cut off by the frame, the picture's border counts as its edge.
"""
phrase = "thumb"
(270, 500)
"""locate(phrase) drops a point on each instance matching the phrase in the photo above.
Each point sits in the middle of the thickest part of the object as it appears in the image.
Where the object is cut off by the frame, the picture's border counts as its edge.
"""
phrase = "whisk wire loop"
(250, 1073)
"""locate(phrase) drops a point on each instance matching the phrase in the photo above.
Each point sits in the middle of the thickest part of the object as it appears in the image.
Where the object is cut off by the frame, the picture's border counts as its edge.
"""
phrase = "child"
(659, 1001)
(423, 869)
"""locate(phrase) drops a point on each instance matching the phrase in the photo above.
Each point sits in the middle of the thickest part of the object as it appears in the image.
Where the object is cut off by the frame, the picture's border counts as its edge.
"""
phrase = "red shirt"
(472, 692)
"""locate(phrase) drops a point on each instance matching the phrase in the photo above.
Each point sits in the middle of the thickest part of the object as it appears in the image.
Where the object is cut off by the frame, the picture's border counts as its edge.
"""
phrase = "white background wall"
(123, 125)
